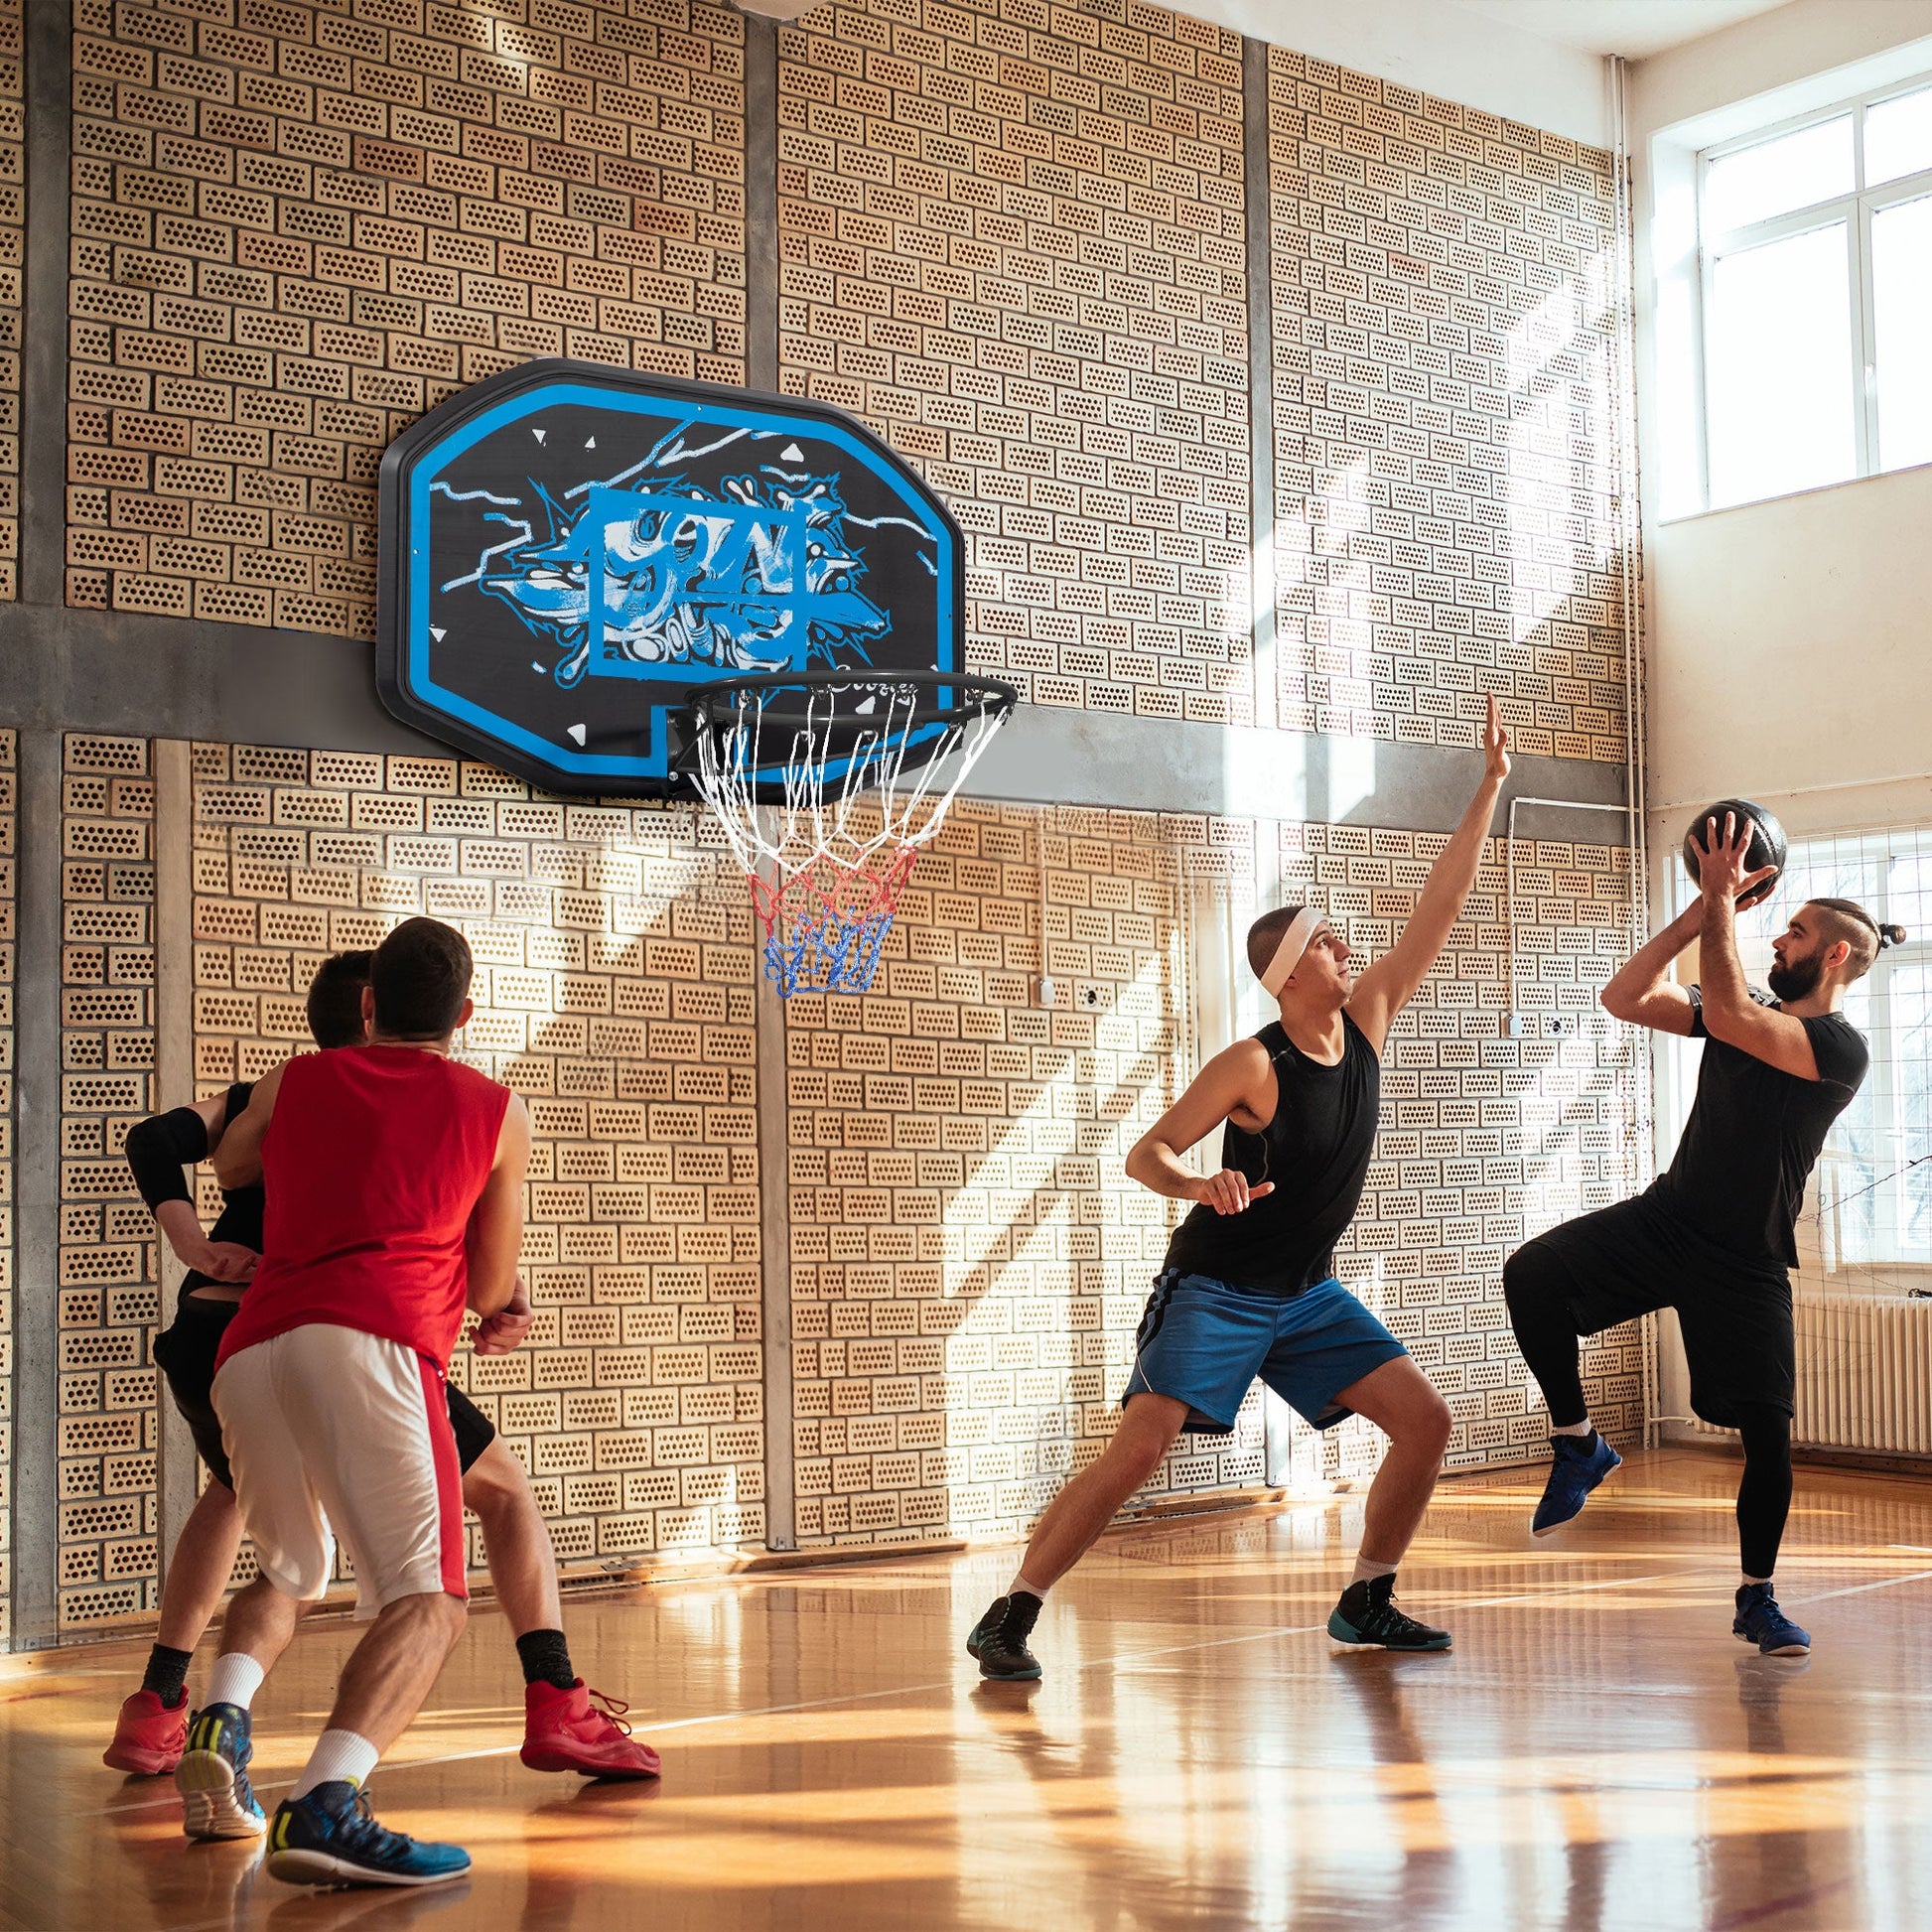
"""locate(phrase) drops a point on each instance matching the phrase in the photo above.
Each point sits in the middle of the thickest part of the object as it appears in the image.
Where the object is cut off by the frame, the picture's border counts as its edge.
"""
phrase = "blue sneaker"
(1760, 1622)
(1575, 1474)
(216, 1800)
(331, 1838)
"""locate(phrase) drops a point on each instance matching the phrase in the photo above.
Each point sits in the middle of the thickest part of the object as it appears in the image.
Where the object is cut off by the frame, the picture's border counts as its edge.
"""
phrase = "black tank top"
(241, 1214)
(1315, 1150)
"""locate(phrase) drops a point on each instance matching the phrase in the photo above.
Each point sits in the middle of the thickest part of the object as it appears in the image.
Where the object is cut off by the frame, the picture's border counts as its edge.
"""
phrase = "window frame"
(1856, 211)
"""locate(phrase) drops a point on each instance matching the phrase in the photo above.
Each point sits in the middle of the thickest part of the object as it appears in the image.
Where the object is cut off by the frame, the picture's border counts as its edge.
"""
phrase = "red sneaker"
(149, 1739)
(580, 1729)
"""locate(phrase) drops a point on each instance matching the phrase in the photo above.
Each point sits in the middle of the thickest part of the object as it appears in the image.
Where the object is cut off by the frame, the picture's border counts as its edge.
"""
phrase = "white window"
(1815, 258)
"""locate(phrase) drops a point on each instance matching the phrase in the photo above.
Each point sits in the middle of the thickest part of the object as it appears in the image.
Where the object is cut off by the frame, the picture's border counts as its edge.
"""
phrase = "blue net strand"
(828, 954)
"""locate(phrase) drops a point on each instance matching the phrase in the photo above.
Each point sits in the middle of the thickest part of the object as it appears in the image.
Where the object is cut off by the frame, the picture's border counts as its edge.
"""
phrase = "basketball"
(1767, 838)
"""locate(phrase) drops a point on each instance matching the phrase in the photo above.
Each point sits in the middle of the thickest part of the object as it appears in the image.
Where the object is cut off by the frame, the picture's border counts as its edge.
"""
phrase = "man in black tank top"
(152, 1727)
(1247, 1288)
(1713, 1238)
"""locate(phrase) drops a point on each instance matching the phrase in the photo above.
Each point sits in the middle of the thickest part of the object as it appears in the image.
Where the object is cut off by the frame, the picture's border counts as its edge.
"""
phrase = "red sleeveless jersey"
(372, 1161)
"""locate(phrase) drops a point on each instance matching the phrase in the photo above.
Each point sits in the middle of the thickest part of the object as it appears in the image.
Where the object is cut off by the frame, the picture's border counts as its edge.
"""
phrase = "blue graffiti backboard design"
(567, 550)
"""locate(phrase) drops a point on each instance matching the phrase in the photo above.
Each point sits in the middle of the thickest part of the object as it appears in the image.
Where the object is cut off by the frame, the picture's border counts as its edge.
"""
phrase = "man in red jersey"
(394, 1184)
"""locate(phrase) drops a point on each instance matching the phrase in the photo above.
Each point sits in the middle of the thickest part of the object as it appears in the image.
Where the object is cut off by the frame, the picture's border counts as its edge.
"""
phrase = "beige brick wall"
(1011, 236)
(969, 1260)
(614, 991)
(110, 1300)
(9, 1357)
(1444, 315)
(298, 225)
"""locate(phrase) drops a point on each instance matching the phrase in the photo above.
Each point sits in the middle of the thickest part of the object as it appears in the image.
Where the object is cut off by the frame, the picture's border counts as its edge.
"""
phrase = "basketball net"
(826, 861)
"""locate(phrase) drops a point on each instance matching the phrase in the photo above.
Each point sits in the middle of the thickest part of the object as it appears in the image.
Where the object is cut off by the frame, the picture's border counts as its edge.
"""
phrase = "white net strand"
(826, 865)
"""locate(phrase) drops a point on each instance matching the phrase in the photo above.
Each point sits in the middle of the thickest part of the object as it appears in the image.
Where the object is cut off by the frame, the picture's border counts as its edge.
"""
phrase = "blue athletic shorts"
(1204, 1341)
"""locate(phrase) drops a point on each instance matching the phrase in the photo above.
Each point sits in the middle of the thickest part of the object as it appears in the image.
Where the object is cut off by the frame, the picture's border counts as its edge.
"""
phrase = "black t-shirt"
(1754, 1135)
(1315, 1150)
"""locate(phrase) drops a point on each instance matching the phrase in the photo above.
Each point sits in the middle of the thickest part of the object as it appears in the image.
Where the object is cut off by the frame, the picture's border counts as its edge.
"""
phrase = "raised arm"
(1235, 1080)
(1388, 986)
(1641, 990)
(1730, 1012)
(238, 1157)
(496, 1232)
(158, 1149)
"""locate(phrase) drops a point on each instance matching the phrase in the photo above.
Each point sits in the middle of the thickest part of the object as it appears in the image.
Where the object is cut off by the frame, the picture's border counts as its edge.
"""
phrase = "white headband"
(1287, 955)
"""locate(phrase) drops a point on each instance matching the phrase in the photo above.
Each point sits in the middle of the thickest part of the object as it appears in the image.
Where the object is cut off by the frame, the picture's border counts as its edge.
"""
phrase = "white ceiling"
(1632, 28)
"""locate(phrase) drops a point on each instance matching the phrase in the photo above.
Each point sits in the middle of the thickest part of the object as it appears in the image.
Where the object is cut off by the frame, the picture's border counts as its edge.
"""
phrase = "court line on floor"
(1113, 1662)
(1858, 1590)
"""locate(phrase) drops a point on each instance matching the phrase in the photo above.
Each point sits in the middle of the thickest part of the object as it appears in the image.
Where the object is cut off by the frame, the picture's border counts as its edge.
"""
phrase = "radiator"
(1865, 1373)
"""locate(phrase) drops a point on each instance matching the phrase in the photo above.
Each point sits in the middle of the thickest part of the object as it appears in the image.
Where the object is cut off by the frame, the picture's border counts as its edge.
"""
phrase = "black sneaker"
(1760, 1622)
(999, 1638)
(1366, 1618)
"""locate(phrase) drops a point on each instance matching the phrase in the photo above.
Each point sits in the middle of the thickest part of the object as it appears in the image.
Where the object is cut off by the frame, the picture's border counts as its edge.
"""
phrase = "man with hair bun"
(1713, 1238)
(1248, 1285)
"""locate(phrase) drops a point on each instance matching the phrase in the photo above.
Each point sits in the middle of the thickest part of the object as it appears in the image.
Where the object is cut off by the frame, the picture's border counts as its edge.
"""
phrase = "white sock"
(234, 1680)
(1019, 1583)
(1749, 1581)
(1571, 1427)
(1366, 1571)
(337, 1754)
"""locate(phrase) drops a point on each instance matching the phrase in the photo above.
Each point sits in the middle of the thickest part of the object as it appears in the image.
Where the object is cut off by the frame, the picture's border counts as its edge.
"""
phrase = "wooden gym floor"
(1597, 1752)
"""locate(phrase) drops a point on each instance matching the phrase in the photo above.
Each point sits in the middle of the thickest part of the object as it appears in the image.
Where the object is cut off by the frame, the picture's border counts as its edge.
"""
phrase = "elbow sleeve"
(159, 1148)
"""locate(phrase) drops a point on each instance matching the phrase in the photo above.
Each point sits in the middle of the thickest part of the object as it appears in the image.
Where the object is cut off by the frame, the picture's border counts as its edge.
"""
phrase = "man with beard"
(1714, 1237)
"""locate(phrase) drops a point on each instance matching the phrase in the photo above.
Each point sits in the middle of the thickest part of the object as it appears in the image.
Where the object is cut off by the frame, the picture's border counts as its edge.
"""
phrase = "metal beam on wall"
(37, 1211)
(1258, 184)
(174, 1053)
(774, 1263)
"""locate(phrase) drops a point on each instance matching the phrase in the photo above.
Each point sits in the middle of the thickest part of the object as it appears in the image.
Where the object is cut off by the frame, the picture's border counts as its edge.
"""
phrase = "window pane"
(1898, 137)
(1796, 170)
(1911, 1034)
(1901, 300)
(1778, 368)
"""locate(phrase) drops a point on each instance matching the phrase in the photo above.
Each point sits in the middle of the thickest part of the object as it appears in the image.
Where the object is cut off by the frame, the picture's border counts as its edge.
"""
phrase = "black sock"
(546, 1659)
(167, 1674)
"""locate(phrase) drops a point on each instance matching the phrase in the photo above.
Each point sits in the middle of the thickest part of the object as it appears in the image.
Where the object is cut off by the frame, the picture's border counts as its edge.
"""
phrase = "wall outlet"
(1542, 1025)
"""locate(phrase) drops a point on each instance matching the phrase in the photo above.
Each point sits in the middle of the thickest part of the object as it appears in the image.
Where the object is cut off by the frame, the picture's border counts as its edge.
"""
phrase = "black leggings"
(1537, 1286)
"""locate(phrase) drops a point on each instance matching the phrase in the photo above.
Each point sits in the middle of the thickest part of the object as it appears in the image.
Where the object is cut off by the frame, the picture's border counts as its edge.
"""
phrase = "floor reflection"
(1596, 1754)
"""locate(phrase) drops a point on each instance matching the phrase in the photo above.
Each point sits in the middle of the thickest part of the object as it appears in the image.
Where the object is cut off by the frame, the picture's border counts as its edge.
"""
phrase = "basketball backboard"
(567, 550)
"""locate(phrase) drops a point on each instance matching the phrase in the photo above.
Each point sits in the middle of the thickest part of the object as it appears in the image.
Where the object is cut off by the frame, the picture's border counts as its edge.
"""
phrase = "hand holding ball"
(1767, 850)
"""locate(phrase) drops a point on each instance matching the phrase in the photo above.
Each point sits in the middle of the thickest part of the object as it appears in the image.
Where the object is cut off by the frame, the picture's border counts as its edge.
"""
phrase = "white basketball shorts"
(330, 1431)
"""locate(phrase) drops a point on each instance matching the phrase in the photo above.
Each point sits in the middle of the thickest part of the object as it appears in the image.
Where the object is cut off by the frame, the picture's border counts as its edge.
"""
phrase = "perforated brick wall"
(110, 1300)
(1011, 236)
(9, 1358)
(298, 225)
(1445, 318)
(614, 991)
(969, 1260)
